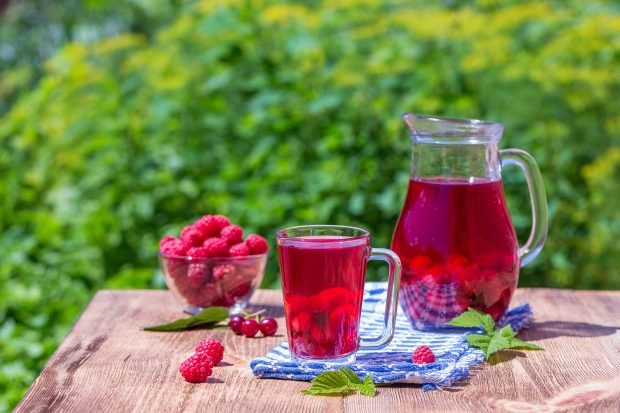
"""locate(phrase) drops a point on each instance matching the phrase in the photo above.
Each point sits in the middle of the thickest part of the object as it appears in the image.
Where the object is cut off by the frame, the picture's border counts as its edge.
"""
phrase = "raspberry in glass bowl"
(211, 265)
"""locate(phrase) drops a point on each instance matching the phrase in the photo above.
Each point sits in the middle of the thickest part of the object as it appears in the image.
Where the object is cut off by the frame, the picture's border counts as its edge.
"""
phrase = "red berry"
(232, 234)
(216, 247)
(191, 236)
(422, 355)
(239, 250)
(240, 287)
(174, 247)
(208, 226)
(165, 240)
(221, 221)
(197, 368)
(212, 348)
(197, 252)
(223, 272)
(197, 274)
(268, 326)
(235, 323)
(249, 328)
(256, 244)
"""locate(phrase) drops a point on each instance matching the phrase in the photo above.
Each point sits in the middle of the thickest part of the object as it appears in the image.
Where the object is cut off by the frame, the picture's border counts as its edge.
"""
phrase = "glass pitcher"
(454, 235)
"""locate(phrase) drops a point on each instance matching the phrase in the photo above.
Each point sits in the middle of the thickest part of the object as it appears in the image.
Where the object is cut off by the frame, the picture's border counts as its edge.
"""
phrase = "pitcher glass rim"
(443, 129)
(360, 233)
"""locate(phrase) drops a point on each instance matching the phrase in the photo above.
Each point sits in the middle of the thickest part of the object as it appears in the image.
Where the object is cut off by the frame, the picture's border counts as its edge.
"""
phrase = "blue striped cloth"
(392, 364)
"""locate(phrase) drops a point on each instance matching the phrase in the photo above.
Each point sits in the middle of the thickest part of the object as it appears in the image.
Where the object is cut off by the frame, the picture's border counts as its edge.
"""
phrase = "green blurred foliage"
(277, 114)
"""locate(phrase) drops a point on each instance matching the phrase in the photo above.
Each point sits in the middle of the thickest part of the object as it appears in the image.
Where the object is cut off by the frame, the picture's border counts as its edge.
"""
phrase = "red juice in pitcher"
(322, 285)
(458, 249)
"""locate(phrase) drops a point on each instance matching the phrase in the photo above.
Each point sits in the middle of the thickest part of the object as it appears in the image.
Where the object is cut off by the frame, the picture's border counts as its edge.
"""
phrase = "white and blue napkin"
(392, 364)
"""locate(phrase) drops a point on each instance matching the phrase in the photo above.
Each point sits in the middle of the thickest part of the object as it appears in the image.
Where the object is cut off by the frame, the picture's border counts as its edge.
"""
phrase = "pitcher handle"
(538, 200)
(391, 302)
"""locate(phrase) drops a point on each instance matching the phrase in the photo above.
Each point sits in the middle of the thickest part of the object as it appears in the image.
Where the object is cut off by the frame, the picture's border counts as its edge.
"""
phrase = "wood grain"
(107, 363)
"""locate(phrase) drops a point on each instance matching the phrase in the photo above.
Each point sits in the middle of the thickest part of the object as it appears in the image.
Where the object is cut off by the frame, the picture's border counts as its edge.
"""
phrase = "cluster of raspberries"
(213, 236)
(199, 367)
(202, 266)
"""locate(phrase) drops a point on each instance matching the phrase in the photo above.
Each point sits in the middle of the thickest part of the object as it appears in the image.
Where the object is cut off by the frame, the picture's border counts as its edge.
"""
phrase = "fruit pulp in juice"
(458, 249)
(322, 285)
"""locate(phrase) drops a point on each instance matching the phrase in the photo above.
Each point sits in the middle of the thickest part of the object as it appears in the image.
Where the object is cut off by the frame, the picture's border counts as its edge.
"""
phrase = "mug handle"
(538, 200)
(391, 303)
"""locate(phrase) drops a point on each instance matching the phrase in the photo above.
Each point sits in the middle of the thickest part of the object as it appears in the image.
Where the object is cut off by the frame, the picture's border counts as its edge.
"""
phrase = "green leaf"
(523, 345)
(206, 318)
(499, 341)
(367, 388)
(340, 381)
(481, 341)
(474, 318)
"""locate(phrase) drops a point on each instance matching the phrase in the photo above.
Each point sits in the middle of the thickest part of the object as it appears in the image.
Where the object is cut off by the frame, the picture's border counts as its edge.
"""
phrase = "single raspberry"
(208, 226)
(216, 247)
(166, 240)
(174, 247)
(232, 234)
(221, 221)
(239, 250)
(422, 355)
(212, 348)
(197, 274)
(256, 244)
(197, 252)
(240, 287)
(197, 368)
(224, 271)
(191, 236)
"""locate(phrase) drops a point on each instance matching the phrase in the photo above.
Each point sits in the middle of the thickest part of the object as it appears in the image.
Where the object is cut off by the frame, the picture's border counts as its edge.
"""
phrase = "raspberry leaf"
(474, 318)
(207, 318)
(493, 340)
(482, 341)
(342, 381)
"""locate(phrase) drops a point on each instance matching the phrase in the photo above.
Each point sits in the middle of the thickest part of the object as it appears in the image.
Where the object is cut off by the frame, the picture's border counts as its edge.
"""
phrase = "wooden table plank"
(107, 363)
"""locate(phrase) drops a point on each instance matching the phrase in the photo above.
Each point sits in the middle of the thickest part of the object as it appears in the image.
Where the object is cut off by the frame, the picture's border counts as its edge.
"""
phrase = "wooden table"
(107, 363)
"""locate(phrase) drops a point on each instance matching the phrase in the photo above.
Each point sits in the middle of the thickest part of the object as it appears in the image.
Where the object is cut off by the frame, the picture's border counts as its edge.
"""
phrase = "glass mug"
(323, 269)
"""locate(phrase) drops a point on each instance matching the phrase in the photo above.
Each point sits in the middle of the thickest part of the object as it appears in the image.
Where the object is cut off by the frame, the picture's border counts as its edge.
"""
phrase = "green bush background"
(123, 122)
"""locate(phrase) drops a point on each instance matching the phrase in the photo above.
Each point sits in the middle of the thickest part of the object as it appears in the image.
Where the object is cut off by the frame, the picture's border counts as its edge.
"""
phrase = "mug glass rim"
(359, 233)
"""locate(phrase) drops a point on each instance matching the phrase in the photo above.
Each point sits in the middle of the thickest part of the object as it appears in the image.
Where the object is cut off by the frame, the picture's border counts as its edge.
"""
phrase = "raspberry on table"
(423, 355)
(216, 247)
(212, 348)
(232, 234)
(239, 250)
(197, 368)
(223, 271)
(191, 236)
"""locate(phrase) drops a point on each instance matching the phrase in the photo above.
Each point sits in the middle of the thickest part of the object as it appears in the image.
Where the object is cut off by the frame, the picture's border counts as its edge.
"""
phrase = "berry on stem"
(235, 323)
(423, 355)
(249, 328)
(268, 326)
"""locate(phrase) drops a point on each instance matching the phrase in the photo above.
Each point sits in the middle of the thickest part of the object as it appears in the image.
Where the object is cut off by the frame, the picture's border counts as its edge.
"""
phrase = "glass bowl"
(204, 282)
